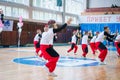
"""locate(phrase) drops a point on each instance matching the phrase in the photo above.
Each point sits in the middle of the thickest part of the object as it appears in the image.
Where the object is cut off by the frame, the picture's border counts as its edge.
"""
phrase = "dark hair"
(86, 32)
(51, 22)
(46, 25)
(105, 27)
(51, 26)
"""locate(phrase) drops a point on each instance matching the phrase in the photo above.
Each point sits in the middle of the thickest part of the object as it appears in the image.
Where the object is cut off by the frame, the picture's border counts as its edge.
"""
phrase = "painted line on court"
(63, 61)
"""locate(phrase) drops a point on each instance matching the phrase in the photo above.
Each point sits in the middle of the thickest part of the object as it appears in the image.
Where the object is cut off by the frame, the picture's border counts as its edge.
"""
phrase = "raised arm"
(63, 26)
(108, 35)
(109, 39)
(60, 28)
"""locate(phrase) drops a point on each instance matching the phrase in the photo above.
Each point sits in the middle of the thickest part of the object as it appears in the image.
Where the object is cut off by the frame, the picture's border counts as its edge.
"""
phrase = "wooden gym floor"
(10, 70)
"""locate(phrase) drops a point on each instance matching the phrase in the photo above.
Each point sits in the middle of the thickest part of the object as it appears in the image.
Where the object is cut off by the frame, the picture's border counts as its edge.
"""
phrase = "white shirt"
(117, 38)
(74, 39)
(100, 37)
(93, 39)
(47, 37)
(85, 39)
(36, 38)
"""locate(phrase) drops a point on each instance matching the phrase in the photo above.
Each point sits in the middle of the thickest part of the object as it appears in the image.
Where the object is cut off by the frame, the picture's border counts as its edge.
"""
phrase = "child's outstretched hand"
(69, 21)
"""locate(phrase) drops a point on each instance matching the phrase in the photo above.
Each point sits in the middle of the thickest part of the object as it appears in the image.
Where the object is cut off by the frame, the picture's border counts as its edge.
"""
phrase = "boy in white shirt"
(92, 43)
(85, 44)
(37, 41)
(46, 28)
(73, 43)
(100, 46)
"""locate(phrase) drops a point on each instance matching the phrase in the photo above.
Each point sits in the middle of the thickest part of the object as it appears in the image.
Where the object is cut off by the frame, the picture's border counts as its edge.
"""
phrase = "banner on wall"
(8, 25)
(100, 19)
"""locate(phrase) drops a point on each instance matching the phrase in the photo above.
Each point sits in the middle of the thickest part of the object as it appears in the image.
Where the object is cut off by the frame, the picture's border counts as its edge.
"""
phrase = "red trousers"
(51, 56)
(103, 50)
(72, 47)
(117, 44)
(93, 47)
(37, 48)
(84, 49)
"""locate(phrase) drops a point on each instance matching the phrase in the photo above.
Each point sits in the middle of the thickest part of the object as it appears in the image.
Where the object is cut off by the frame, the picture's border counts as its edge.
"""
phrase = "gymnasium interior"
(18, 60)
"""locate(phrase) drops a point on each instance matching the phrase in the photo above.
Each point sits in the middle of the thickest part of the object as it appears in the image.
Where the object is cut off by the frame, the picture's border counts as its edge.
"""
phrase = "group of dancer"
(96, 43)
(43, 43)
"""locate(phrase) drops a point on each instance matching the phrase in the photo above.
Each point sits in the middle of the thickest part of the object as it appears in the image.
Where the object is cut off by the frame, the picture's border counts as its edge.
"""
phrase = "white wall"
(103, 3)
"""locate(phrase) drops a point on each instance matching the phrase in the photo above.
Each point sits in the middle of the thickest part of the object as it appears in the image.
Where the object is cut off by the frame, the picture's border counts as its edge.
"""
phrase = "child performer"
(44, 33)
(37, 41)
(73, 43)
(85, 44)
(117, 44)
(92, 43)
(47, 49)
(100, 46)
